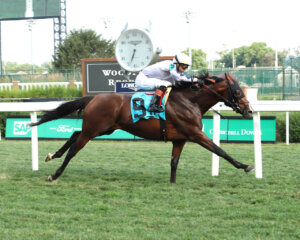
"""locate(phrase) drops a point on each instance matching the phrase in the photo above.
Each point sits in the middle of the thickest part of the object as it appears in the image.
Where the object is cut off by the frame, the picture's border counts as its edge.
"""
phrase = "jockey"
(161, 75)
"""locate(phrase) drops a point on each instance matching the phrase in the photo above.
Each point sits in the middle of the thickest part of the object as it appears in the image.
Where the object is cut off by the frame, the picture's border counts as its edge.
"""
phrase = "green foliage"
(198, 58)
(257, 54)
(40, 92)
(294, 126)
(26, 68)
(117, 190)
(82, 44)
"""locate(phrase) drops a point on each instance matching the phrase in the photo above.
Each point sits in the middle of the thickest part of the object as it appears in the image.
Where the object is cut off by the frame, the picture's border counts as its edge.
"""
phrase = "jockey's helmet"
(182, 58)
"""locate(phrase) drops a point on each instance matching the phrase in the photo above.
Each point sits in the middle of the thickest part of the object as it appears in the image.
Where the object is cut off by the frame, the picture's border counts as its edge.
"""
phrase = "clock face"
(134, 50)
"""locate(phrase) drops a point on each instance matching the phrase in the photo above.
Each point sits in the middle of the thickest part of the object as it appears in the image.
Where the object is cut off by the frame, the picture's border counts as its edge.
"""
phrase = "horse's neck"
(207, 99)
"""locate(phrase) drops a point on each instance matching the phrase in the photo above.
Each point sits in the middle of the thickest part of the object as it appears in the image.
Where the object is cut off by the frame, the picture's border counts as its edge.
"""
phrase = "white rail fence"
(258, 106)
(27, 86)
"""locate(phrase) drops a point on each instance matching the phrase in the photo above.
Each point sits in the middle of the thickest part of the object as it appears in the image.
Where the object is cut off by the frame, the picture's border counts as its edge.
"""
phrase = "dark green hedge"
(294, 128)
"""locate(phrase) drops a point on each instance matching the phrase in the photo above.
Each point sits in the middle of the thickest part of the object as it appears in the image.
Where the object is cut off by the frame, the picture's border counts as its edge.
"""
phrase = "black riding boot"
(155, 103)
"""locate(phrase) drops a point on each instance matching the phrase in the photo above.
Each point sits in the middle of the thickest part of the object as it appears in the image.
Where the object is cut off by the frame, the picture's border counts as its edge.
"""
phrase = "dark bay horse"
(104, 113)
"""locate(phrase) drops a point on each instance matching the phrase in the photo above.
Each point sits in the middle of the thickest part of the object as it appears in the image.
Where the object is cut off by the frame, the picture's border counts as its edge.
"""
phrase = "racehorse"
(104, 113)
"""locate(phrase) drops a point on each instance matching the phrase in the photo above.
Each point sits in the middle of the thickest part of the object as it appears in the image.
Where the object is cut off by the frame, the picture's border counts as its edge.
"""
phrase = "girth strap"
(163, 130)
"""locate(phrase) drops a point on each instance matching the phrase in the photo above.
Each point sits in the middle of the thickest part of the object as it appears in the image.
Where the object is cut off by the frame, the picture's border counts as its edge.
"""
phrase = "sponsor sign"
(57, 129)
(233, 129)
(128, 87)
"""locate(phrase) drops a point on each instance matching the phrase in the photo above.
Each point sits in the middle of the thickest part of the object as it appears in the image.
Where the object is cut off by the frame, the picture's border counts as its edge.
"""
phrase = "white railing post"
(287, 128)
(34, 143)
(216, 140)
(257, 145)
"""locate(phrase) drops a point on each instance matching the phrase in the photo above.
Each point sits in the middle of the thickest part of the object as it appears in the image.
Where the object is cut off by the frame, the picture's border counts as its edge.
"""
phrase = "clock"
(135, 49)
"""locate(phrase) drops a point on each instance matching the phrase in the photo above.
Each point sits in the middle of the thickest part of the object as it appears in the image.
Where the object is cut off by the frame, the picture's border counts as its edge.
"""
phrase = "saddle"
(140, 103)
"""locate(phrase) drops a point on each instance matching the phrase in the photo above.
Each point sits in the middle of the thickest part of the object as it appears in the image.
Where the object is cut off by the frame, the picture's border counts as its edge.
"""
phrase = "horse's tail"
(63, 110)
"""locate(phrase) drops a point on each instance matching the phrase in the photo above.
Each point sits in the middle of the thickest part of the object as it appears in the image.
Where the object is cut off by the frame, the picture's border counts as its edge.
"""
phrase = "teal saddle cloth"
(139, 105)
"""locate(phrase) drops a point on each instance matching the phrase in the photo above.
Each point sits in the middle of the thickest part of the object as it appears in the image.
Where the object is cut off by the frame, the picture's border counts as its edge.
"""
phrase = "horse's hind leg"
(64, 148)
(74, 149)
(176, 151)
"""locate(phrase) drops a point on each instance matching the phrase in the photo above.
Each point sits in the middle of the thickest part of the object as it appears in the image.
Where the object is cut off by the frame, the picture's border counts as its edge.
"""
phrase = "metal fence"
(49, 77)
(282, 83)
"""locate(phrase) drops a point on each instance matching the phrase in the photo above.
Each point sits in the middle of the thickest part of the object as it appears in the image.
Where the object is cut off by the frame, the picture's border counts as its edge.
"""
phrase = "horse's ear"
(228, 78)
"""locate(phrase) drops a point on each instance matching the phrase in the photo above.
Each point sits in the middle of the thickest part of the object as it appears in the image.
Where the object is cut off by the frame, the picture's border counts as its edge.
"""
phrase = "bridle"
(235, 94)
(234, 97)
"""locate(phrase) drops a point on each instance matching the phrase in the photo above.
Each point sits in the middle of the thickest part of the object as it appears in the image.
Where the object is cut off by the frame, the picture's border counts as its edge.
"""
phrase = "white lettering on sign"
(21, 127)
(247, 132)
(65, 128)
(111, 82)
(109, 72)
(128, 85)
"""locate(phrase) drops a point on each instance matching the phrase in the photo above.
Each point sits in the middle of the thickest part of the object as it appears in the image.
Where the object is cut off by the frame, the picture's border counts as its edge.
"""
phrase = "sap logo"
(21, 127)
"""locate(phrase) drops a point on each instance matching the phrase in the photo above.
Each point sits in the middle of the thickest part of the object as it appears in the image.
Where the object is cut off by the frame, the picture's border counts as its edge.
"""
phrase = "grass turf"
(121, 190)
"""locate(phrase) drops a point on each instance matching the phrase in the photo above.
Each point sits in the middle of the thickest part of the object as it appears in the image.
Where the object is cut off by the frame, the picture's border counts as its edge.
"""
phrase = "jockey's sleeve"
(177, 76)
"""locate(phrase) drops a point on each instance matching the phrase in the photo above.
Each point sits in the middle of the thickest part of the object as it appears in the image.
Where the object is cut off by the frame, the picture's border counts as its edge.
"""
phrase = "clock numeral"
(142, 63)
(123, 58)
(123, 42)
(134, 34)
(121, 50)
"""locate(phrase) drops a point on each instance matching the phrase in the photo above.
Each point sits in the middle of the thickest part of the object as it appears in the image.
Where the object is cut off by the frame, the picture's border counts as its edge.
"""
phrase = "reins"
(230, 103)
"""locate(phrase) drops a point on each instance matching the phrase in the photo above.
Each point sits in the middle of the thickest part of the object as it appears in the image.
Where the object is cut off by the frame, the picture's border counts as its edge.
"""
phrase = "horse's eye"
(238, 93)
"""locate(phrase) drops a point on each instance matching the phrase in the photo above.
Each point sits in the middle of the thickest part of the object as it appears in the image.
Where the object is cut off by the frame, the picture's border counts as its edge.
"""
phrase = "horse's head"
(237, 99)
(232, 95)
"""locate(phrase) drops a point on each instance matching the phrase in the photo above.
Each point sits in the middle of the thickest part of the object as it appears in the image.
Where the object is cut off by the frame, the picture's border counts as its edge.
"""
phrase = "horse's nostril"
(250, 111)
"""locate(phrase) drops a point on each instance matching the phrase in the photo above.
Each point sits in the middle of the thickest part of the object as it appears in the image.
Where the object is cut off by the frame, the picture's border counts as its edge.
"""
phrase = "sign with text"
(233, 129)
(101, 75)
(57, 129)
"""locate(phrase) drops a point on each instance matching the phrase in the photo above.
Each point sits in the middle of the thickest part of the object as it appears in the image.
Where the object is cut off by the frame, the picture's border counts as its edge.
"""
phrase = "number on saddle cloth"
(139, 105)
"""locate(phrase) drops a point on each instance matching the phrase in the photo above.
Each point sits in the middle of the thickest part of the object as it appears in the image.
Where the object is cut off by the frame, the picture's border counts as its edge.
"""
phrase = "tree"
(82, 44)
(257, 54)
(24, 68)
(198, 58)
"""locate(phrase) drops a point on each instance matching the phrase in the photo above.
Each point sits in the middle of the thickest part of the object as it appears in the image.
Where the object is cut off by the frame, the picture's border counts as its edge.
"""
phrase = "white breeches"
(145, 83)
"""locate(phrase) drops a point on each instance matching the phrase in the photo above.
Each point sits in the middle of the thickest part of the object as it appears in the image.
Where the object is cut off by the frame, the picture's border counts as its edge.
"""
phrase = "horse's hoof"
(249, 169)
(48, 157)
(50, 179)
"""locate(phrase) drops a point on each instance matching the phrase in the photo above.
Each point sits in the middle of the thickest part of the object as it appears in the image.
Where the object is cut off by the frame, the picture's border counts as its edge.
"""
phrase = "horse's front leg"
(207, 143)
(176, 151)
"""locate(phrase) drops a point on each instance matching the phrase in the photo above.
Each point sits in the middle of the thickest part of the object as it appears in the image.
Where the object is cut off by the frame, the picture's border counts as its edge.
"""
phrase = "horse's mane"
(205, 77)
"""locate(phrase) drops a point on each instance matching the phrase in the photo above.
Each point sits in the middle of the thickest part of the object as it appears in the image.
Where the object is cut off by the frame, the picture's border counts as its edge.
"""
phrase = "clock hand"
(134, 50)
